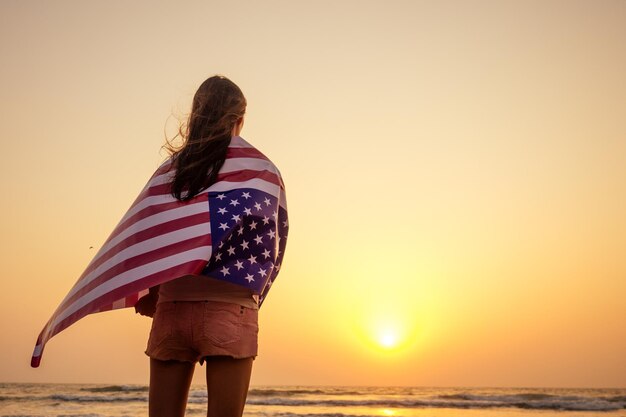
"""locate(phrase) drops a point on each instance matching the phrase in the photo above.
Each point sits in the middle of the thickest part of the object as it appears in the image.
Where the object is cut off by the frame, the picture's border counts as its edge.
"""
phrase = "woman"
(197, 318)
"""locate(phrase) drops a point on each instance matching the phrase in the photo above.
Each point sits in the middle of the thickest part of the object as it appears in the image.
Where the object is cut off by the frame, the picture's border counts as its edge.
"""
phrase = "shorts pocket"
(221, 325)
(162, 322)
(251, 320)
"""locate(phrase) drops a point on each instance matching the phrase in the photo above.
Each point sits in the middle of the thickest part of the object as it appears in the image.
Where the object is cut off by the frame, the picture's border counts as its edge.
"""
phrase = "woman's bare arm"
(146, 305)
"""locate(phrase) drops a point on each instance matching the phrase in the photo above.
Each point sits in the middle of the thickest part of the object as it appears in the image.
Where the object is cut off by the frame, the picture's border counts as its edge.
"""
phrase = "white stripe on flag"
(255, 183)
(239, 142)
(37, 350)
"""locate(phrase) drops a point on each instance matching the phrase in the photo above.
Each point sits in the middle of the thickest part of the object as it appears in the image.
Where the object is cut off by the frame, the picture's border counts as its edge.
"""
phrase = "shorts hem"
(200, 359)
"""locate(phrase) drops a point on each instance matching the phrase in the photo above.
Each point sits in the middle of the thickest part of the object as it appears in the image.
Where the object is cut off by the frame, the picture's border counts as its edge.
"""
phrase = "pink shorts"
(191, 330)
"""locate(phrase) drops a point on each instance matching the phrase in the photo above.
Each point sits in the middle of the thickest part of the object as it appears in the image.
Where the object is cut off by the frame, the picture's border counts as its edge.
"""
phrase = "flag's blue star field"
(248, 234)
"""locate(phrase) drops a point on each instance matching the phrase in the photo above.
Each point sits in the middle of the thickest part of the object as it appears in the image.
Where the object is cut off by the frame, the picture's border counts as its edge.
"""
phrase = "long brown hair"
(217, 106)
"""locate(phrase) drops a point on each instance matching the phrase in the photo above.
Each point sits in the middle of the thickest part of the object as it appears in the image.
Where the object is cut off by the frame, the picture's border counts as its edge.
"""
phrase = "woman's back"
(201, 288)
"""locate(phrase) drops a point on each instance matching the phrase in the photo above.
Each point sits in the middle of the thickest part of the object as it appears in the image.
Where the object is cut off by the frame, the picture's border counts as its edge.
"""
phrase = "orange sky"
(455, 171)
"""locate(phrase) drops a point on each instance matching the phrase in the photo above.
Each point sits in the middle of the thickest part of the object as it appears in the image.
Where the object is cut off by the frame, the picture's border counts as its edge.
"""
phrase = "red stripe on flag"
(247, 174)
(245, 153)
(35, 361)
(163, 169)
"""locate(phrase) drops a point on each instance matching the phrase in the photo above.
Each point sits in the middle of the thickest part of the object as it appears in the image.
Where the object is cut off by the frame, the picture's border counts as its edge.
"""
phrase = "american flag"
(235, 230)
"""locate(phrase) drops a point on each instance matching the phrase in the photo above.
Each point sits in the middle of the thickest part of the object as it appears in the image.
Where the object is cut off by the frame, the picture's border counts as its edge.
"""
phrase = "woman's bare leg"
(169, 387)
(227, 381)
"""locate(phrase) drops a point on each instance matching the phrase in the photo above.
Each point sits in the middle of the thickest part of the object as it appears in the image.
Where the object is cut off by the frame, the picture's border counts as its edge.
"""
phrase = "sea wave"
(534, 400)
(269, 392)
(76, 398)
(557, 403)
(320, 415)
(22, 415)
(81, 415)
(618, 398)
(98, 398)
(58, 415)
(117, 388)
(19, 397)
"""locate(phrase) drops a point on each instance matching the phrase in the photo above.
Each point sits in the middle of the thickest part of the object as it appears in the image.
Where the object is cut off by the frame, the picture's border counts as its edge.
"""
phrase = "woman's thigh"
(169, 387)
(227, 382)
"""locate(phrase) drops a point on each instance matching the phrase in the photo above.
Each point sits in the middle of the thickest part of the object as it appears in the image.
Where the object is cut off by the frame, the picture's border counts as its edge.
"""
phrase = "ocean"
(100, 400)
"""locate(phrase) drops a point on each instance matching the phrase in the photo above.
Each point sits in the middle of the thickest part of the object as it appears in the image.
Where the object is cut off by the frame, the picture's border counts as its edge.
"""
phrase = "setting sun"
(390, 328)
(388, 338)
(387, 331)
